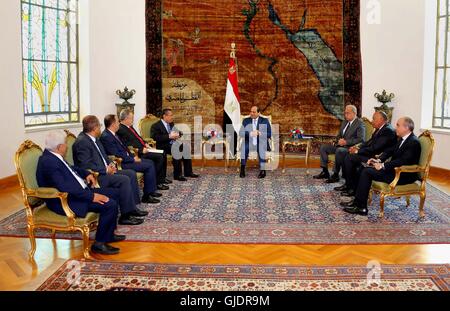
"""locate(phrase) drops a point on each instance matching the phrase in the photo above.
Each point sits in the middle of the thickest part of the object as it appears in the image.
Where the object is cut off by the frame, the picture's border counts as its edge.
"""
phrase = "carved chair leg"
(369, 201)
(85, 233)
(32, 242)
(53, 234)
(422, 204)
(408, 201)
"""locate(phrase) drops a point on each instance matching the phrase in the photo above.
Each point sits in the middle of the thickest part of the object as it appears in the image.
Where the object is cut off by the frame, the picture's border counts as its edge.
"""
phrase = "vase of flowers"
(296, 133)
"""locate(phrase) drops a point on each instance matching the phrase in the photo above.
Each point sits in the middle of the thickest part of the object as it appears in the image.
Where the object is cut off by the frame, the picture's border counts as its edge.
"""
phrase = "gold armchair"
(145, 125)
(253, 155)
(394, 190)
(38, 214)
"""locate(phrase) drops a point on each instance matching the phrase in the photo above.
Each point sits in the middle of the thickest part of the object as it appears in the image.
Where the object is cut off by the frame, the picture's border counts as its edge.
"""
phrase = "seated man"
(383, 138)
(130, 137)
(256, 132)
(54, 172)
(352, 132)
(88, 153)
(405, 152)
(114, 146)
(166, 137)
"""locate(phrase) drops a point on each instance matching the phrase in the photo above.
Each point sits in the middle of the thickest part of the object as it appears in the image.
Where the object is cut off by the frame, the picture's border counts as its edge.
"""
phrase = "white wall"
(393, 59)
(112, 50)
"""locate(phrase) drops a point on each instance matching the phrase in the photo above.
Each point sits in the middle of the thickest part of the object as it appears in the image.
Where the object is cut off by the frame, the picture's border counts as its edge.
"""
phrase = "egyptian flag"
(232, 99)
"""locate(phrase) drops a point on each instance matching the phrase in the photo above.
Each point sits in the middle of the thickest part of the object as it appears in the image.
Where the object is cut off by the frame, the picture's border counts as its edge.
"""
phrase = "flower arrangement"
(296, 133)
(211, 134)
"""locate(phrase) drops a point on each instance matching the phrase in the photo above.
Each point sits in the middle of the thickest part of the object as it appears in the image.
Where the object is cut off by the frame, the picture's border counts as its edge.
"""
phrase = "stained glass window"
(50, 61)
(441, 117)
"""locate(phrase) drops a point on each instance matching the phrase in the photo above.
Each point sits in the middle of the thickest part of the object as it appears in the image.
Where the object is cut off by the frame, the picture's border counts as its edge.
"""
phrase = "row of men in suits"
(118, 197)
(374, 160)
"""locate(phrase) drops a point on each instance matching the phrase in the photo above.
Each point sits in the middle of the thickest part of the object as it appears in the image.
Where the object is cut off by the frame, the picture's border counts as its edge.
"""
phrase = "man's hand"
(111, 169)
(342, 142)
(137, 159)
(174, 135)
(254, 134)
(353, 150)
(100, 199)
(378, 166)
(90, 179)
(373, 161)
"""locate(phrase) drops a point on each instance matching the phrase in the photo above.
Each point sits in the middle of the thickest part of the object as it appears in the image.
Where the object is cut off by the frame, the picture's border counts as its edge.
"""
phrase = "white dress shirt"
(96, 146)
(255, 127)
(404, 138)
(77, 177)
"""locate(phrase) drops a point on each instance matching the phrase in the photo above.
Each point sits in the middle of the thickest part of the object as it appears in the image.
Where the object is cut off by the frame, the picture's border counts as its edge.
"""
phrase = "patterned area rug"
(289, 208)
(110, 276)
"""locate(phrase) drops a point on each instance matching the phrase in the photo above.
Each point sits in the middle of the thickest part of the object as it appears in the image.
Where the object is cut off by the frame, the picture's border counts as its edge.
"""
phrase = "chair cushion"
(139, 175)
(381, 186)
(43, 216)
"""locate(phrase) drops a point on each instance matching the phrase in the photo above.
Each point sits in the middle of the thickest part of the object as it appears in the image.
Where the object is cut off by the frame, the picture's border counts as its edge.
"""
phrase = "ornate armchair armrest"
(95, 174)
(134, 151)
(116, 160)
(53, 193)
(405, 169)
(151, 142)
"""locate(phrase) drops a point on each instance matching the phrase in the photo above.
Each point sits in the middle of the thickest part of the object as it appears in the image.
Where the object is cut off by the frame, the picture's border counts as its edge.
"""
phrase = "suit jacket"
(408, 154)
(115, 147)
(129, 139)
(381, 140)
(355, 134)
(86, 155)
(52, 173)
(263, 126)
(159, 133)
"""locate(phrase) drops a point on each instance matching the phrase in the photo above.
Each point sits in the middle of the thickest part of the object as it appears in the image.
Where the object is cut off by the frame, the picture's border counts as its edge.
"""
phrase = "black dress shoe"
(242, 173)
(118, 238)
(348, 193)
(322, 175)
(341, 188)
(262, 174)
(149, 200)
(333, 179)
(138, 213)
(162, 187)
(104, 249)
(192, 175)
(130, 221)
(167, 181)
(181, 178)
(351, 203)
(357, 210)
(156, 194)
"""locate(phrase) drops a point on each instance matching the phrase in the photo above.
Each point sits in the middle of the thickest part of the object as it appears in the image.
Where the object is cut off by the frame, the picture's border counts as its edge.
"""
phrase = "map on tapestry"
(289, 55)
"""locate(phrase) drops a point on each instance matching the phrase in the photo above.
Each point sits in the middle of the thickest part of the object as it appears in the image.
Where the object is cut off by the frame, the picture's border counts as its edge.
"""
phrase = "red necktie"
(137, 136)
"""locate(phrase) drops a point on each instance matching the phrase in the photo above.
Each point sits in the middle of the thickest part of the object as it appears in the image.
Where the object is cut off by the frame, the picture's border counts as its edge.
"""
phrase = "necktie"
(346, 128)
(137, 136)
(75, 174)
(121, 144)
(168, 128)
(101, 155)
(255, 139)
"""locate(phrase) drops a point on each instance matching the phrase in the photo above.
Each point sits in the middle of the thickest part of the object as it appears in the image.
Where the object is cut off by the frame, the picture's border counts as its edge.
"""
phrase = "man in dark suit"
(256, 132)
(352, 132)
(383, 138)
(130, 137)
(89, 154)
(54, 172)
(168, 139)
(114, 146)
(405, 152)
